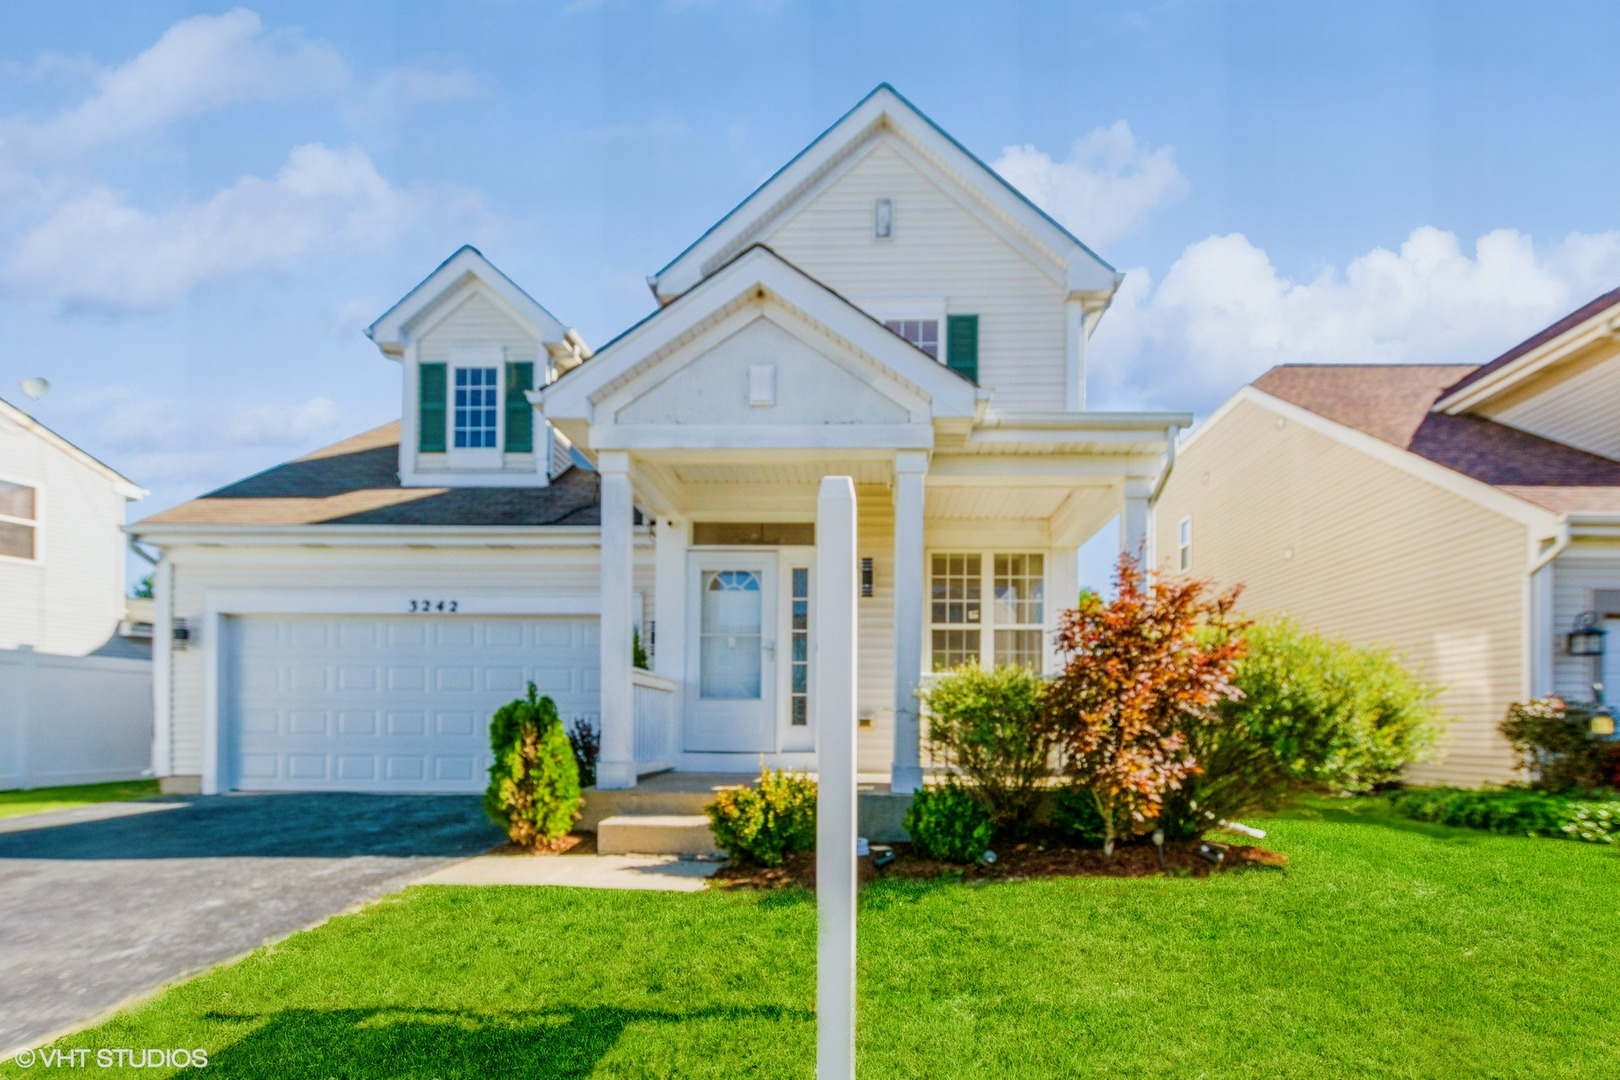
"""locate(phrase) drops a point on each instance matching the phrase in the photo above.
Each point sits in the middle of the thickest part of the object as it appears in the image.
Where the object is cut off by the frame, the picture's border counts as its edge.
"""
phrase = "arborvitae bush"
(533, 788)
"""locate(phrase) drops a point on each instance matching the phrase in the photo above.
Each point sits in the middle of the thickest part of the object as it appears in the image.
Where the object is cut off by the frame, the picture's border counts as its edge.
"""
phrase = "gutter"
(1173, 434)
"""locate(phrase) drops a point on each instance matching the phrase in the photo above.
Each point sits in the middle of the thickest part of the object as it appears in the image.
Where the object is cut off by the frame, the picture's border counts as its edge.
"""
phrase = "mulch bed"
(1019, 862)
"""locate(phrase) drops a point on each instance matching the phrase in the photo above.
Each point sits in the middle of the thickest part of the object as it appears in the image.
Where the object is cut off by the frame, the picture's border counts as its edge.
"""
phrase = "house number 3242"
(422, 607)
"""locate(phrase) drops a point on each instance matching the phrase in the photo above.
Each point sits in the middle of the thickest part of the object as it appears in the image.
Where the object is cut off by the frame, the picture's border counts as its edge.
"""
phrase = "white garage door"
(363, 703)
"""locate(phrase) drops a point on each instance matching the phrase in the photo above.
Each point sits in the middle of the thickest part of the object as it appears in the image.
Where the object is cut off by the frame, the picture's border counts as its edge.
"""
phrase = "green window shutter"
(430, 412)
(962, 345)
(519, 413)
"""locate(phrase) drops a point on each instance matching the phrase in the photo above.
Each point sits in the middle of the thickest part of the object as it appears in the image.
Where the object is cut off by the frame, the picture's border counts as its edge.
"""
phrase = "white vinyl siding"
(1578, 575)
(1362, 550)
(939, 248)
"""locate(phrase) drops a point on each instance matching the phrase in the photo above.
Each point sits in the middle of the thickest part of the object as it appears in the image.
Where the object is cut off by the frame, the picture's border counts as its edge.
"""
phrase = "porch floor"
(689, 792)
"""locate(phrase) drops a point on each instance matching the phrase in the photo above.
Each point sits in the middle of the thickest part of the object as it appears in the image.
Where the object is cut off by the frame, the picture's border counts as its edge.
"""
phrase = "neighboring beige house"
(62, 548)
(1466, 516)
(884, 307)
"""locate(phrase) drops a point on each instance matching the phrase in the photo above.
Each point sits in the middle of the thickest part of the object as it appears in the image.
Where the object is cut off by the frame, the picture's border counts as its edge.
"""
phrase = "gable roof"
(1394, 404)
(467, 263)
(760, 270)
(356, 482)
(885, 108)
(1529, 345)
(123, 484)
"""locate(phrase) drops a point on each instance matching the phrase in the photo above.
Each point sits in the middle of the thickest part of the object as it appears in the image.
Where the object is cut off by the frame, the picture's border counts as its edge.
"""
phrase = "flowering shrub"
(1138, 672)
(764, 823)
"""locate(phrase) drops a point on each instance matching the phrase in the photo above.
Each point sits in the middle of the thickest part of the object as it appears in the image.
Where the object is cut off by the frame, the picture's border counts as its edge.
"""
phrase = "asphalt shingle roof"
(1392, 402)
(356, 482)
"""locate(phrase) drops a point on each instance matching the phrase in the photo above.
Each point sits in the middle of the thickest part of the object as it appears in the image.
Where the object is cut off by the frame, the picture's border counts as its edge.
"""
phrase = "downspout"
(1172, 433)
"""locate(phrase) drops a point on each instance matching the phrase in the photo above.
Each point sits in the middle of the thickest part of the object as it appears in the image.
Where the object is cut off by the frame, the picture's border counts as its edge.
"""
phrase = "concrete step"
(600, 805)
(655, 834)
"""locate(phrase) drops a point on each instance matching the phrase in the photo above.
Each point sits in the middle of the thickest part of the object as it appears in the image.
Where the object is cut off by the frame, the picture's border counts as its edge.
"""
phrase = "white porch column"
(616, 766)
(1134, 518)
(910, 469)
(1543, 636)
(835, 798)
(669, 599)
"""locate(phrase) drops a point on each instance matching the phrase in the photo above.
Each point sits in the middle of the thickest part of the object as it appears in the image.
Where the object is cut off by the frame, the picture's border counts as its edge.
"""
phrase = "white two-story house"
(884, 307)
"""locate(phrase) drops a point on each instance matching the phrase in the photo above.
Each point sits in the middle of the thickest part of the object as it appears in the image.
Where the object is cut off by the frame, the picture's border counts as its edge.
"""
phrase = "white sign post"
(834, 699)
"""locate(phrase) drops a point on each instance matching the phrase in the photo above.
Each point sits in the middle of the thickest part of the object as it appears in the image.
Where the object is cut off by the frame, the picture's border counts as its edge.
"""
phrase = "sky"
(201, 208)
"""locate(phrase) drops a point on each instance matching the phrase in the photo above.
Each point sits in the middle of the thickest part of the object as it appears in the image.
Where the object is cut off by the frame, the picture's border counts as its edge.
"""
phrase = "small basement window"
(18, 520)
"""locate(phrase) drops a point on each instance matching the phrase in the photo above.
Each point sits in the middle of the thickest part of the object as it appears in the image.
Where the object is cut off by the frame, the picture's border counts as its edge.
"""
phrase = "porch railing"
(653, 701)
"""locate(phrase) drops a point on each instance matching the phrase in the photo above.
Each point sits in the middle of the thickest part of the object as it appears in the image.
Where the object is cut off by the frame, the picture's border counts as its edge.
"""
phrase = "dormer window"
(477, 411)
(923, 333)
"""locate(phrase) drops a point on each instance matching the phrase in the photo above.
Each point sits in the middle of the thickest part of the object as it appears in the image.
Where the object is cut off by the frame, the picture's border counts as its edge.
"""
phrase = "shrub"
(638, 655)
(1075, 814)
(949, 823)
(1312, 713)
(1554, 741)
(1515, 810)
(586, 743)
(991, 727)
(533, 788)
(1138, 671)
(764, 823)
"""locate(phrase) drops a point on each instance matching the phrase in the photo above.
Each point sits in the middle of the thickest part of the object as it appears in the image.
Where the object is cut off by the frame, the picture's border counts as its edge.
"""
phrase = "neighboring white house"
(1468, 516)
(884, 307)
(74, 694)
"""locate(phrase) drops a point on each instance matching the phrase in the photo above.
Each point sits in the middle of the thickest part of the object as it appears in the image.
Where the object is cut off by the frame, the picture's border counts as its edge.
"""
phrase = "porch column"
(669, 599)
(910, 469)
(1134, 518)
(616, 765)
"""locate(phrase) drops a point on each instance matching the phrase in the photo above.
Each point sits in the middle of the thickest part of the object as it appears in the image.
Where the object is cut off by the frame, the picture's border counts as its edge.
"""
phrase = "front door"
(731, 671)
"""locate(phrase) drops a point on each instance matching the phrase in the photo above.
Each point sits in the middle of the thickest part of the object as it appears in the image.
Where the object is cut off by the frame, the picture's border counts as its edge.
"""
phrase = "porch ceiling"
(983, 503)
(798, 472)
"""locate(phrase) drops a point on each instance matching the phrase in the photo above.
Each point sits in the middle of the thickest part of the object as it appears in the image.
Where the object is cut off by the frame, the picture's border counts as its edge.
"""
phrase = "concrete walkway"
(666, 872)
(104, 902)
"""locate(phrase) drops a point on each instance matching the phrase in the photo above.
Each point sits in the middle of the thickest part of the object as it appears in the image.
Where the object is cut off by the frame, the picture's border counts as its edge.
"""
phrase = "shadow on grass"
(1375, 812)
(556, 1044)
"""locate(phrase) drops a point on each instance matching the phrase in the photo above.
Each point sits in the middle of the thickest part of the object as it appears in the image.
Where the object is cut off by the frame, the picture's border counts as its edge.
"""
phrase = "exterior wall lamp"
(1586, 639)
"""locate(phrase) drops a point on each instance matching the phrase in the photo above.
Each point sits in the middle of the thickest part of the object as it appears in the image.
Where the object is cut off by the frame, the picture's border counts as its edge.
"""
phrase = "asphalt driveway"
(102, 902)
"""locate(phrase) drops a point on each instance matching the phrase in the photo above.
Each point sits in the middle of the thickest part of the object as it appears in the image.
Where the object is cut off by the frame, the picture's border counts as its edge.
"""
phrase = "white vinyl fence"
(73, 719)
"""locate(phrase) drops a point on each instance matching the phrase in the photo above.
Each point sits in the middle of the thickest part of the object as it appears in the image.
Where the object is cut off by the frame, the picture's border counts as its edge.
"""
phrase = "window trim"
(1184, 545)
(37, 523)
(987, 625)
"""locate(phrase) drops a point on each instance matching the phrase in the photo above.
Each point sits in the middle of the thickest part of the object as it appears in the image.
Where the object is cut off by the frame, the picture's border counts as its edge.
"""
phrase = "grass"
(1388, 948)
(38, 800)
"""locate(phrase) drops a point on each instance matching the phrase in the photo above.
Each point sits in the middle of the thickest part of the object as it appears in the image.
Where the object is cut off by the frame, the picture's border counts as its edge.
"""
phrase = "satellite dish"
(35, 388)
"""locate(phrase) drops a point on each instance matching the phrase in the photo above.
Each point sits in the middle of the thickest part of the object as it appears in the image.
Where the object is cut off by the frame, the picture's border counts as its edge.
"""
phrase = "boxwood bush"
(1516, 810)
(763, 824)
(533, 788)
(949, 823)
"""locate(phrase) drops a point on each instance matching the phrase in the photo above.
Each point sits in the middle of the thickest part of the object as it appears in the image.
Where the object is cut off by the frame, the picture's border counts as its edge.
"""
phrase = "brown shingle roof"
(356, 482)
(1392, 402)
(1568, 322)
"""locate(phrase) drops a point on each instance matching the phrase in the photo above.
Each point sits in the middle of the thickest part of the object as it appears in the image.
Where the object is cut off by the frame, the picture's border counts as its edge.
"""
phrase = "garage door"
(361, 703)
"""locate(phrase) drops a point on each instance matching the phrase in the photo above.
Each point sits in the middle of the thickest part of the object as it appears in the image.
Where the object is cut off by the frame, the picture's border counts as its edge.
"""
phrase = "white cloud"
(1224, 314)
(1108, 185)
(96, 250)
(199, 65)
(403, 88)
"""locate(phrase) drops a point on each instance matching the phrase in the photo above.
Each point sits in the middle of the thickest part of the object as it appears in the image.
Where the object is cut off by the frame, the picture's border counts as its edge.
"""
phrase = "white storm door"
(731, 652)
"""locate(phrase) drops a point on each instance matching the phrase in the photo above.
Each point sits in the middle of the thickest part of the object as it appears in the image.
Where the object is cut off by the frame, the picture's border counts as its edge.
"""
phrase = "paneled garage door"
(364, 703)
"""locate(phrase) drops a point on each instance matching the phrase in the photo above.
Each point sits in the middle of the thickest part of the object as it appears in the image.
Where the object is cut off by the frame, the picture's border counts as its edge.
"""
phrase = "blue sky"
(201, 207)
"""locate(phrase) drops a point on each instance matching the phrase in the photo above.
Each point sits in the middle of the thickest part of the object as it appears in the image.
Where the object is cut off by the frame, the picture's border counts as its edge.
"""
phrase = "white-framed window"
(1184, 544)
(923, 333)
(476, 408)
(19, 520)
(964, 628)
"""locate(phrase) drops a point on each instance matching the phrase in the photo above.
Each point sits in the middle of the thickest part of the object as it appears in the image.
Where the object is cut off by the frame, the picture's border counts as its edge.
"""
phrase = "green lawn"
(36, 800)
(1386, 949)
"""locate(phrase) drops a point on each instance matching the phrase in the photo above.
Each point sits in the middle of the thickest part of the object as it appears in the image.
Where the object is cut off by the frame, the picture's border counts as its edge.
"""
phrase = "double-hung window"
(923, 333)
(1184, 544)
(18, 520)
(477, 408)
(1008, 629)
